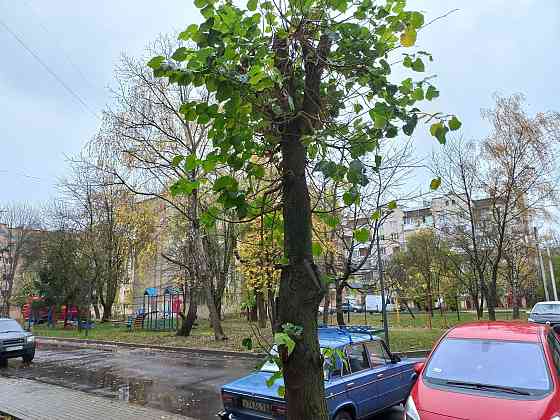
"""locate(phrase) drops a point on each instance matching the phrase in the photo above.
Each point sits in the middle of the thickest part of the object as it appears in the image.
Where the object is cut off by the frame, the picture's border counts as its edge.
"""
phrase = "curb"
(115, 345)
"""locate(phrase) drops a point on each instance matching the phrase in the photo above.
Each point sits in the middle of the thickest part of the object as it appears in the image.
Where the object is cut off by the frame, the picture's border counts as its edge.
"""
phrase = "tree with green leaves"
(299, 84)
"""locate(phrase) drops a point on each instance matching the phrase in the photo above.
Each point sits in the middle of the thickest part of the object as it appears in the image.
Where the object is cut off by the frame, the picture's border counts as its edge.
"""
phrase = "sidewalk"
(32, 400)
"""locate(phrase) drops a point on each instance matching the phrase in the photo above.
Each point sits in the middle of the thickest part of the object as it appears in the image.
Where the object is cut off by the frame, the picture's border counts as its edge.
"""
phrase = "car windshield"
(546, 308)
(9, 325)
(272, 367)
(498, 364)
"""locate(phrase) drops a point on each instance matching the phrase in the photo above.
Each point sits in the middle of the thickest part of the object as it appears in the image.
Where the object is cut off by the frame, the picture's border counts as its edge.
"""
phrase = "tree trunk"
(107, 312)
(272, 315)
(338, 302)
(491, 303)
(188, 320)
(96, 311)
(261, 309)
(300, 286)
(326, 308)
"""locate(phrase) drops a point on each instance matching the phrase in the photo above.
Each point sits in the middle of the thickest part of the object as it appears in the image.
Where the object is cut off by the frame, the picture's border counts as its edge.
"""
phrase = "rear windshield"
(9, 325)
(509, 364)
(546, 308)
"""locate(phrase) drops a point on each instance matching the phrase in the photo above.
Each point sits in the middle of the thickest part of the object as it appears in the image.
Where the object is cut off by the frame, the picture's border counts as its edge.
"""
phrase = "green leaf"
(431, 93)
(247, 343)
(225, 182)
(439, 131)
(361, 235)
(408, 37)
(273, 378)
(188, 33)
(418, 94)
(180, 54)
(252, 5)
(200, 3)
(454, 123)
(155, 62)
(416, 19)
(190, 162)
(183, 187)
(376, 215)
(435, 183)
(418, 65)
(316, 249)
(392, 205)
(283, 339)
(282, 391)
(410, 125)
(177, 161)
(350, 197)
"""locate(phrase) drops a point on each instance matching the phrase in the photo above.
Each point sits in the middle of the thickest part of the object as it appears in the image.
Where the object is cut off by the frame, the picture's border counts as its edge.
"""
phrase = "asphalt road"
(187, 384)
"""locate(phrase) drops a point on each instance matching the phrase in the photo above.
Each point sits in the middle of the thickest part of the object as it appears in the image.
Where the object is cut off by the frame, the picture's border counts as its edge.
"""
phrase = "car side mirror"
(418, 367)
(395, 359)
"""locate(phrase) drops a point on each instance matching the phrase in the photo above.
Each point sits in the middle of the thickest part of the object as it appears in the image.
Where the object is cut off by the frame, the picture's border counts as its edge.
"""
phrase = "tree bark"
(338, 302)
(188, 320)
(261, 309)
(300, 288)
(326, 308)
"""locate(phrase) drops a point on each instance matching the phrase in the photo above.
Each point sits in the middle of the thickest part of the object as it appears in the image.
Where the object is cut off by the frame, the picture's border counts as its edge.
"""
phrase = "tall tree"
(290, 83)
(521, 178)
(19, 224)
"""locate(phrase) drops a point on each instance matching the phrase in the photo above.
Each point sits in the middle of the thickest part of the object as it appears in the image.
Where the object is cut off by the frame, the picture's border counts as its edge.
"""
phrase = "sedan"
(497, 370)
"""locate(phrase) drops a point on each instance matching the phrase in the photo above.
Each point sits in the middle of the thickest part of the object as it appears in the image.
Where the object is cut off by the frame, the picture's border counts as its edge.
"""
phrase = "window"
(394, 236)
(363, 252)
(357, 358)
(453, 202)
(555, 349)
(490, 362)
(378, 356)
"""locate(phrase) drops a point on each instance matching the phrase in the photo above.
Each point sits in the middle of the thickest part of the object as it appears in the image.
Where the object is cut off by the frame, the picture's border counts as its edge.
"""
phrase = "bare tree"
(521, 177)
(140, 141)
(19, 228)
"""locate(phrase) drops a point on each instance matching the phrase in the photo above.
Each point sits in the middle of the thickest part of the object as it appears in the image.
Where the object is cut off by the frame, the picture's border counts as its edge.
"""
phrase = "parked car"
(545, 313)
(497, 370)
(357, 307)
(15, 341)
(374, 303)
(371, 381)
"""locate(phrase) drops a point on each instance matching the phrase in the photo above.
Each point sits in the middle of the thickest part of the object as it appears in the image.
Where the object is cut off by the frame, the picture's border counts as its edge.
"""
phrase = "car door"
(360, 381)
(390, 384)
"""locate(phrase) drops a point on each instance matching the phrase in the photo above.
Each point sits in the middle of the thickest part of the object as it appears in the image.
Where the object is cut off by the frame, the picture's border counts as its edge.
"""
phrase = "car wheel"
(343, 415)
(28, 358)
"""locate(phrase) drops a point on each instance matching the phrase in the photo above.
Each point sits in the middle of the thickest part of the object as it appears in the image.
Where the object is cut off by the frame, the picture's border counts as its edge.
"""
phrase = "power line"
(66, 55)
(47, 68)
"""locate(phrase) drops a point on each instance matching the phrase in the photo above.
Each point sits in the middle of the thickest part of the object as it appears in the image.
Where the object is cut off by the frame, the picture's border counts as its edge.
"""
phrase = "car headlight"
(30, 339)
(410, 411)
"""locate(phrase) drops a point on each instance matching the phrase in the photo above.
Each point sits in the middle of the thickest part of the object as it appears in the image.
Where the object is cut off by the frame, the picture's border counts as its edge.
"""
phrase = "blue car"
(369, 381)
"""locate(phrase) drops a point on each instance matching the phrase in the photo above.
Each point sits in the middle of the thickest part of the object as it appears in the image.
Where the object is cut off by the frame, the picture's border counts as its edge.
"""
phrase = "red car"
(489, 370)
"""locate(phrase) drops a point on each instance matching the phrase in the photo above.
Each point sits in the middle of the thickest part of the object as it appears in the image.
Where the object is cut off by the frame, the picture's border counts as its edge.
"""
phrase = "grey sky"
(506, 46)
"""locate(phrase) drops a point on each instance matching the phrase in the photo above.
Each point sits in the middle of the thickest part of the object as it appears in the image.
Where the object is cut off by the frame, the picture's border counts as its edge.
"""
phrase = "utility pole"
(382, 285)
(552, 278)
(541, 264)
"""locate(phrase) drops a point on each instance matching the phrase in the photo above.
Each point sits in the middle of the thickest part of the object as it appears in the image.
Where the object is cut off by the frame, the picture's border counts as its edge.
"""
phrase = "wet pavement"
(179, 383)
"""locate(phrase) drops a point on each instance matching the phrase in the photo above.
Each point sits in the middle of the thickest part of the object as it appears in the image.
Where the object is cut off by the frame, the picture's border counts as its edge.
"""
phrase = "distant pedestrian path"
(32, 400)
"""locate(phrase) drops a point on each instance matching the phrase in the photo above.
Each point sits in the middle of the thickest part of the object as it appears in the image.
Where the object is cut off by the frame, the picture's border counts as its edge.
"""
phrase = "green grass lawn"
(406, 333)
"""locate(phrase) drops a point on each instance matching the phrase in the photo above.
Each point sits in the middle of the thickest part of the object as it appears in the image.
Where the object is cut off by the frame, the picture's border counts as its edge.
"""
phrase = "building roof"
(331, 336)
(499, 330)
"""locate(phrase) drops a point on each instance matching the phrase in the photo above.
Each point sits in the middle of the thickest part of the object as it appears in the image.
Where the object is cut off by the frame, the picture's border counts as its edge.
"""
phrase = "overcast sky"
(488, 46)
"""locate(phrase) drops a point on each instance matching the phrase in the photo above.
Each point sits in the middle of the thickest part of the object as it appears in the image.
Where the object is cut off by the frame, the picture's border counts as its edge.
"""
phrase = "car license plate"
(256, 405)
(14, 348)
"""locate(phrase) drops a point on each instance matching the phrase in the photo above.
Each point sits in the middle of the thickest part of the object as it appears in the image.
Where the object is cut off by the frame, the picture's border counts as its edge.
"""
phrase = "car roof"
(334, 337)
(549, 302)
(499, 330)
(6, 319)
